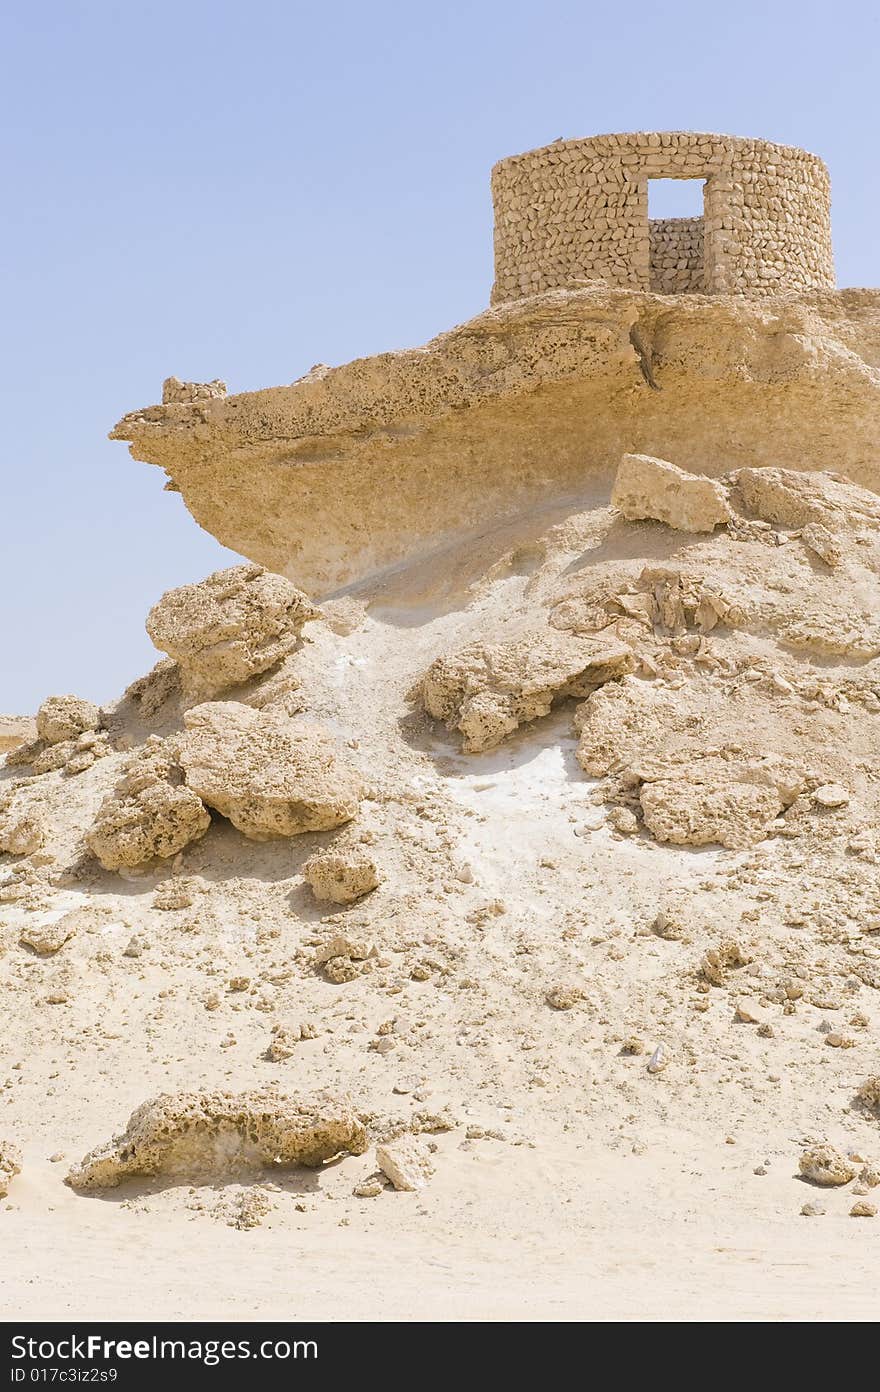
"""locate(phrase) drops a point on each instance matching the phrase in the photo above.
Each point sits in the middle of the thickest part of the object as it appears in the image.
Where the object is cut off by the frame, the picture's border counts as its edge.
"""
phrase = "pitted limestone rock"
(65, 718)
(150, 814)
(229, 627)
(341, 876)
(269, 774)
(486, 690)
(219, 1132)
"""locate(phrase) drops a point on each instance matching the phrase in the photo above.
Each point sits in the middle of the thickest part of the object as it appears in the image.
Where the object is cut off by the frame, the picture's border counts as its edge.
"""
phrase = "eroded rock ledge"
(356, 468)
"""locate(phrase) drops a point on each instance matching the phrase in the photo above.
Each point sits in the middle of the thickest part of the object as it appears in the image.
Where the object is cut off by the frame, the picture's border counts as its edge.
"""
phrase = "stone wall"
(577, 211)
(676, 256)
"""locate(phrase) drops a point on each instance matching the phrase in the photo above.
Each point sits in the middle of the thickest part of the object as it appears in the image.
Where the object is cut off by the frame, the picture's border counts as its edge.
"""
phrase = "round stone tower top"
(576, 212)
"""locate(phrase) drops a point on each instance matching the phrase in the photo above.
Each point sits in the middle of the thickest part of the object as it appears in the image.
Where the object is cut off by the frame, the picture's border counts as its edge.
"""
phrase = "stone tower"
(577, 212)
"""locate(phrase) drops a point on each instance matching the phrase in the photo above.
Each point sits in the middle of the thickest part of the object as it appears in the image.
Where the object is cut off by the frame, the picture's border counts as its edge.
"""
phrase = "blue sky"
(242, 190)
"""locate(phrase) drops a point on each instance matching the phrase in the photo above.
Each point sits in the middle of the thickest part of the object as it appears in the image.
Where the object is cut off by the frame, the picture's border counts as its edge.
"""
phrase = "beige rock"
(863, 1209)
(564, 996)
(359, 949)
(217, 1132)
(719, 961)
(341, 876)
(826, 1165)
(623, 821)
(819, 540)
(693, 809)
(270, 775)
(10, 1165)
(530, 400)
(869, 1093)
(23, 828)
(652, 488)
(65, 717)
(831, 795)
(800, 498)
(286, 1038)
(406, 1162)
(48, 938)
(229, 627)
(147, 816)
(486, 690)
(368, 1189)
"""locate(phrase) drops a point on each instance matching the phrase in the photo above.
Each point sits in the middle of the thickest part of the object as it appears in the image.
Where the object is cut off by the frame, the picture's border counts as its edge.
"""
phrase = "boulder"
(486, 690)
(66, 718)
(654, 489)
(220, 1132)
(229, 627)
(150, 813)
(269, 774)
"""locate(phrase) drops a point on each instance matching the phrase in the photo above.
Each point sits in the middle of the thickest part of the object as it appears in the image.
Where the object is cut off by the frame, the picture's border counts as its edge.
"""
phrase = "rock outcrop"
(536, 398)
(232, 626)
(487, 690)
(66, 718)
(204, 1133)
(269, 774)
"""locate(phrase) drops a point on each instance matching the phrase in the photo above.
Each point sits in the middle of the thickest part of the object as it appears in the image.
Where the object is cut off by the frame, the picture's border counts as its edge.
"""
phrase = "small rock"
(370, 1189)
(563, 997)
(623, 821)
(341, 876)
(746, 1015)
(48, 938)
(826, 1165)
(813, 1210)
(406, 1162)
(831, 795)
(863, 1209)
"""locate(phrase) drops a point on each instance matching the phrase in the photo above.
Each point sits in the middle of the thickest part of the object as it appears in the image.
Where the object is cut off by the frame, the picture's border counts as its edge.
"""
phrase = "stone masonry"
(576, 212)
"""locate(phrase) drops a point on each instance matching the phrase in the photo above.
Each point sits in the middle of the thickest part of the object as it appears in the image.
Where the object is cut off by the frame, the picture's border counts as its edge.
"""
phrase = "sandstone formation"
(341, 876)
(533, 399)
(621, 536)
(270, 775)
(217, 1132)
(652, 488)
(486, 690)
(235, 624)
